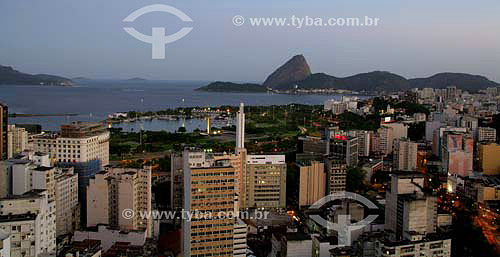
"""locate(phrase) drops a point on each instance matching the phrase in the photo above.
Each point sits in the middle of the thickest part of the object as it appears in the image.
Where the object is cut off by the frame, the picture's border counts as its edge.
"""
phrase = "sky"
(413, 39)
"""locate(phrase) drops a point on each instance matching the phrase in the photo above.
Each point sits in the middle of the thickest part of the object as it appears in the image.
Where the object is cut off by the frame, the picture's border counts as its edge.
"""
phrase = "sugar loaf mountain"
(9, 76)
(296, 74)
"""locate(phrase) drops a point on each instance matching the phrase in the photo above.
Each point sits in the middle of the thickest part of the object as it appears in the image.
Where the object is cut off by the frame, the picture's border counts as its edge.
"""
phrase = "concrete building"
(67, 206)
(109, 236)
(82, 145)
(291, 244)
(310, 144)
(458, 149)
(176, 181)
(114, 190)
(471, 123)
(420, 246)
(364, 137)
(371, 168)
(312, 182)
(400, 130)
(30, 219)
(489, 158)
(17, 140)
(437, 138)
(265, 181)
(430, 127)
(4, 244)
(385, 140)
(343, 149)
(4, 138)
(486, 135)
(209, 190)
(240, 238)
(27, 175)
(201, 158)
(336, 176)
(29, 178)
(408, 209)
(405, 155)
(336, 107)
(78, 142)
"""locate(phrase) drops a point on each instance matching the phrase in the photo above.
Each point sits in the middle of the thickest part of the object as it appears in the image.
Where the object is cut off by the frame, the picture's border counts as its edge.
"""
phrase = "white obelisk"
(240, 128)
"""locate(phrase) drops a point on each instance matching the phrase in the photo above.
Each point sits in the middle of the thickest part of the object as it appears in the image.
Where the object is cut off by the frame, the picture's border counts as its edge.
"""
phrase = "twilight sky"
(414, 38)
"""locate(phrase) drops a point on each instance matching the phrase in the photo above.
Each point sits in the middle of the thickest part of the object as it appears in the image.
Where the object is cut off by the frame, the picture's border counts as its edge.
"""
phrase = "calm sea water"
(94, 100)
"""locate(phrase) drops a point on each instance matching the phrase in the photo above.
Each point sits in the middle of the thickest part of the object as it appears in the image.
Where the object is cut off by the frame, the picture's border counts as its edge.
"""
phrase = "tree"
(181, 130)
(355, 180)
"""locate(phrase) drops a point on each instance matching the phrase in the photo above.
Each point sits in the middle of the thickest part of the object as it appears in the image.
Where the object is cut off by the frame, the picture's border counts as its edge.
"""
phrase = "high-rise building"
(385, 140)
(437, 139)
(337, 107)
(30, 219)
(458, 149)
(312, 182)
(208, 190)
(176, 181)
(240, 238)
(336, 176)
(17, 140)
(400, 130)
(4, 138)
(419, 246)
(27, 175)
(67, 206)
(364, 137)
(405, 155)
(486, 135)
(409, 210)
(343, 149)
(430, 127)
(79, 142)
(82, 145)
(265, 181)
(202, 158)
(115, 190)
(411, 221)
(240, 128)
(471, 123)
(489, 158)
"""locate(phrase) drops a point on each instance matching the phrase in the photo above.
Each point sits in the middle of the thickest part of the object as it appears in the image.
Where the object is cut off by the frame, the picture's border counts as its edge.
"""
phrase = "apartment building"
(82, 145)
(17, 140)
(4, 138)
(114, 190)
(439, 246)
(409, 210)
(458, 149)
(209, 190)
(405, 155)
(78, 142)
(336, 176)
(312, 182)
(486, 135)
(265, 181)
(67, 206)
(343, 148)
(30, 219)
(489, 159)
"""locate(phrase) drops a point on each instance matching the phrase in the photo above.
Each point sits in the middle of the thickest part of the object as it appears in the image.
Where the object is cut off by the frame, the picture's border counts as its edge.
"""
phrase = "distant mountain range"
(296, 74)
(9, 76)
